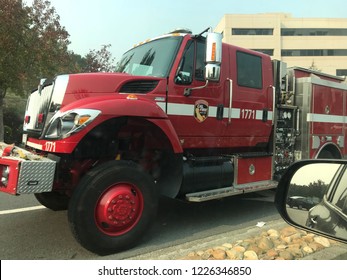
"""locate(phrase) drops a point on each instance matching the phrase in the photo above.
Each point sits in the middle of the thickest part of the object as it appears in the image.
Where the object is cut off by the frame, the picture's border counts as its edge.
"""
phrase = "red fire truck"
(185, 116)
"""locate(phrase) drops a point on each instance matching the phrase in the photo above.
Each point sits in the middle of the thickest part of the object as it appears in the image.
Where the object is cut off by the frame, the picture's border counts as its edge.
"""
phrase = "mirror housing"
(312, 195)
(213, 57)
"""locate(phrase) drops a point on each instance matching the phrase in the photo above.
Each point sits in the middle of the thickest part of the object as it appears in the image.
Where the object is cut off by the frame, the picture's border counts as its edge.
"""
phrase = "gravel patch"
(287, 243)
(275, 240)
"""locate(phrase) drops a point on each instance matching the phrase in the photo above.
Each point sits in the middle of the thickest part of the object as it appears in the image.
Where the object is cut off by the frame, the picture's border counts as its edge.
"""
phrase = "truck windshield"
(150, 59)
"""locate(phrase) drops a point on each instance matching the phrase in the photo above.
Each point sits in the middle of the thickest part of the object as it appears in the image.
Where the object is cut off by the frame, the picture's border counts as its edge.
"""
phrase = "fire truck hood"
(93, 83)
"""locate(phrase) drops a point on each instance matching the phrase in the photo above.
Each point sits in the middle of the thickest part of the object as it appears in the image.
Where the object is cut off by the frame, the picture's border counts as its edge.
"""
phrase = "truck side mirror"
(213, 56)
(312, 195)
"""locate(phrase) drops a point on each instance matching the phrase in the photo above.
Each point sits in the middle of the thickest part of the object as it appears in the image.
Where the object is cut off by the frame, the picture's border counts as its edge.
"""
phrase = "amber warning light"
(213, 53)
(214, 48)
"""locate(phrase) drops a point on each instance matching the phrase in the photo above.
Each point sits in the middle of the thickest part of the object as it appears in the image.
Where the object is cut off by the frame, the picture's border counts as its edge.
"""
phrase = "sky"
(314, 172)
(124, 23)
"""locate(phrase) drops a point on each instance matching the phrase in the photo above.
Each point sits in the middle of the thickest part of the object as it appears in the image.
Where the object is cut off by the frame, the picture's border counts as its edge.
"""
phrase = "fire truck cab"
(185, 116)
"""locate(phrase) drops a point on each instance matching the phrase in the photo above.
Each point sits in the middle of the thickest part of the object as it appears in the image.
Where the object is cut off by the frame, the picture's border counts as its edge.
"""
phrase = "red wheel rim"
(119, 209)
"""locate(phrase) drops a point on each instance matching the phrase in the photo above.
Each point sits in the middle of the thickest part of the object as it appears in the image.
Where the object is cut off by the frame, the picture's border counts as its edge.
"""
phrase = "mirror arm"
(314, 220)
(209, 29)
(188, 91)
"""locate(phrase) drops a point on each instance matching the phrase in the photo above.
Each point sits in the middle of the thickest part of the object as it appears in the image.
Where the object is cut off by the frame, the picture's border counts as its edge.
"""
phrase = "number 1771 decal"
(248, 114)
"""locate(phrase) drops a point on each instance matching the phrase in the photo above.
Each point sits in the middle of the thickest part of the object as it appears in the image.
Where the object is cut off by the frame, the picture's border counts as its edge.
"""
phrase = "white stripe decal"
(180, 109)
(188, 110)
(259, 115)
(34, 145)
(325, 118)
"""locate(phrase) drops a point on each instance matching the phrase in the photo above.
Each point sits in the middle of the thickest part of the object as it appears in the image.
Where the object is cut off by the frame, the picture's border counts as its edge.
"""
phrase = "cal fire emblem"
(201, 110)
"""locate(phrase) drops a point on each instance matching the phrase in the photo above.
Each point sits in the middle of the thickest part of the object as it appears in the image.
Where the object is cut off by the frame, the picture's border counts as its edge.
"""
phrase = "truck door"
(194, 115)
(250, 121)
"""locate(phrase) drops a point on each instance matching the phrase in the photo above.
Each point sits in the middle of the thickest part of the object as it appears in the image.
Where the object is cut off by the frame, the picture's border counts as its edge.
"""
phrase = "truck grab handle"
(230, 99)
(273, 104)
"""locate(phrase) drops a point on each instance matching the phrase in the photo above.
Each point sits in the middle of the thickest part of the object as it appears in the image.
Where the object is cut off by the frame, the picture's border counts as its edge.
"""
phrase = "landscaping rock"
(284, 244)
(250, 255)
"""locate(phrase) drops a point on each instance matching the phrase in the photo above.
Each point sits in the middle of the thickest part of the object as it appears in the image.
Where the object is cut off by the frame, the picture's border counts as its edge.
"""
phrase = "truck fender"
(127, 107)
(171, 180)
(328, 150)
(142, 108)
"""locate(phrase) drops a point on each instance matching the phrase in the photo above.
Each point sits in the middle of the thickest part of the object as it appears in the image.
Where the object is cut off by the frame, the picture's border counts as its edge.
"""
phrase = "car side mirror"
(312, 195)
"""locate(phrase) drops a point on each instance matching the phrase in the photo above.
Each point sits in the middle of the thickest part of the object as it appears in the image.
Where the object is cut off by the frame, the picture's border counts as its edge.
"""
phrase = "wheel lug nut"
(127, 197)
(113, 201)
(109, 209)
(110, 217)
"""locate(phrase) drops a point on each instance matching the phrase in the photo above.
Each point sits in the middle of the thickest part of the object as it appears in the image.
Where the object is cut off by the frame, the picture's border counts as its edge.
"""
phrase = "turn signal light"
(41, 118)
(132, 97)
(81, 119)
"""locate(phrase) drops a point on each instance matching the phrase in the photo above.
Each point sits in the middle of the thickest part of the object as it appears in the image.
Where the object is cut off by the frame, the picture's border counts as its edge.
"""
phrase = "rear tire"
(112, 207)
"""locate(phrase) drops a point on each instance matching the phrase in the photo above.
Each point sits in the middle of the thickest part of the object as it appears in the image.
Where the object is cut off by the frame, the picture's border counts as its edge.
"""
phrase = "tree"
(33, 45)
(99, 61)
(49, 42)
(13, 26)
(314, 67)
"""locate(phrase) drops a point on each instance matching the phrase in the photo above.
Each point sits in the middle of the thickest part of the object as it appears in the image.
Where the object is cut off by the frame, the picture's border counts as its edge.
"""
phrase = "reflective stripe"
(178, 109)
(325, 118)
(34, 145)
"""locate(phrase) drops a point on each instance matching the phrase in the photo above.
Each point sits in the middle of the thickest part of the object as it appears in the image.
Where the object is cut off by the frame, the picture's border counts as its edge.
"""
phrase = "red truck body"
(105, 145)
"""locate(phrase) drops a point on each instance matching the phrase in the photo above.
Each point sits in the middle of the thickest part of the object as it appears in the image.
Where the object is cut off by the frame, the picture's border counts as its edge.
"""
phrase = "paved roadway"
(29, 231)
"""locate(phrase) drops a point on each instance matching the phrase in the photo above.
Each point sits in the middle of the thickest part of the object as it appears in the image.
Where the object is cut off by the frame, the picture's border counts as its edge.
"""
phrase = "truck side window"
(185, 72)
(340, 196)
(200, 61)
(249, 70)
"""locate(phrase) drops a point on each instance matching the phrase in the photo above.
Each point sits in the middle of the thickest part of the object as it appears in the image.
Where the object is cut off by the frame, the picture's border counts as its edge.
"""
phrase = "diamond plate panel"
(36, 176)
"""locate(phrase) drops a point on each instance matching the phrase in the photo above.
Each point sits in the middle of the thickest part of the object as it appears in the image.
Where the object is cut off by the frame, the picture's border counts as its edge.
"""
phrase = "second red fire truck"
(185, 116)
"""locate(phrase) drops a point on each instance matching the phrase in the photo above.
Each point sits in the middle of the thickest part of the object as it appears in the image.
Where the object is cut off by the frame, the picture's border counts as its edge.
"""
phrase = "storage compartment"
(23, 172)
(250, 170)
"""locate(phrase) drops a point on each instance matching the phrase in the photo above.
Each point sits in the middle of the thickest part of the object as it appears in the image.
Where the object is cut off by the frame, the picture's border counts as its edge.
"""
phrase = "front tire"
(112, 207)
(53, 200)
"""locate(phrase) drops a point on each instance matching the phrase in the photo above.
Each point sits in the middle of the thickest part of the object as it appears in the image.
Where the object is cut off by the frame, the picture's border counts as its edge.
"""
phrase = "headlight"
(4, 175)
(65, 124)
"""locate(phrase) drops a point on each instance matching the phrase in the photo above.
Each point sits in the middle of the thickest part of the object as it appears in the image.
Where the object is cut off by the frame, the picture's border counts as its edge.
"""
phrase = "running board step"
(230, 191)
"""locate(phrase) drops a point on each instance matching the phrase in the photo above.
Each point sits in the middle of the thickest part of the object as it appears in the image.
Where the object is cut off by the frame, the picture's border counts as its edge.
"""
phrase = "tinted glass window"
(200, 61)
(341, 72)
(185, 72)
(249, 70)
(187, 69)
(266, 51)
(315, 52)
(340, 195)
(314, 32)
(252, 31)
(151, 59)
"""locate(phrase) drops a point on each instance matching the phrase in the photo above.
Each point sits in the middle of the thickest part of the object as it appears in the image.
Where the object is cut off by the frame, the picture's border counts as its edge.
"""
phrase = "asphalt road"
(39, 233)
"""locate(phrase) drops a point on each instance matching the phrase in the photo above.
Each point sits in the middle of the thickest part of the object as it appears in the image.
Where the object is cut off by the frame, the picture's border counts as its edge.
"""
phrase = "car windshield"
(150, 59)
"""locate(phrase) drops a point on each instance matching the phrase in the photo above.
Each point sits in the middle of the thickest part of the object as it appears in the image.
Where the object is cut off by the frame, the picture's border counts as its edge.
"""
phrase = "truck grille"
(143, 86)
(42, 104)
